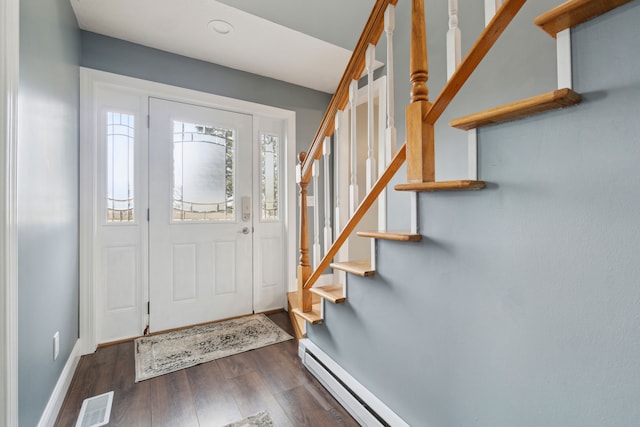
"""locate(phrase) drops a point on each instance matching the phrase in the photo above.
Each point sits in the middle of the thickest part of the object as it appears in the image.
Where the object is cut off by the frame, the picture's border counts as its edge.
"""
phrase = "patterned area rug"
(259, 420)
(161, 354)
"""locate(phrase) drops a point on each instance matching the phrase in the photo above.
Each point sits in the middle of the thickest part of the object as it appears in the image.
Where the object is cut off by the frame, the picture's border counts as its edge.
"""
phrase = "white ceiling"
(255, 44)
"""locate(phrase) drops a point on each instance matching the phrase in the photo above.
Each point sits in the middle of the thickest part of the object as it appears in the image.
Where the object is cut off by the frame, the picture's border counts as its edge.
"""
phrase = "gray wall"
(129, 59)
(520, 306)
(47, 198)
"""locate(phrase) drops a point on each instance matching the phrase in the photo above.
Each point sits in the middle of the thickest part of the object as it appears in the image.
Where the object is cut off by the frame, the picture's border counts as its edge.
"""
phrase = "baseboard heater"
(366, 408)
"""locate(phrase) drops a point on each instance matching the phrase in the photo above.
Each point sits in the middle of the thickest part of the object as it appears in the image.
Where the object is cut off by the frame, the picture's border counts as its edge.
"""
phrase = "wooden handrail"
(485, 42)
(362, 209)
(370, 35)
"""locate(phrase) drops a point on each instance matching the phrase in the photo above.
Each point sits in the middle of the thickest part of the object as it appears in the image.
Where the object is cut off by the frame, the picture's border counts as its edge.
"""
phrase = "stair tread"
(574, 12)
(332, 293)
(402, 236)
(312, 316)
(360, 267)
(441, 186)
(525, 107)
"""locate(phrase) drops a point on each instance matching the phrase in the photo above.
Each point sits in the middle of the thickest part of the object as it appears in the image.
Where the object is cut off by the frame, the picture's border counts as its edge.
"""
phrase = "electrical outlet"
(56, 345)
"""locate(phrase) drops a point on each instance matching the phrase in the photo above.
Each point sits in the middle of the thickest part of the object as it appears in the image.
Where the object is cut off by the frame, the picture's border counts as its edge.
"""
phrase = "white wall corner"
(9, 77)
(50, 414)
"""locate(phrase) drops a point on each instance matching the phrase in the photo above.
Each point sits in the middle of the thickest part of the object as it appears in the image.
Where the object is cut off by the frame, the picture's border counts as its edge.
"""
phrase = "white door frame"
(90, 80)
(9, 75)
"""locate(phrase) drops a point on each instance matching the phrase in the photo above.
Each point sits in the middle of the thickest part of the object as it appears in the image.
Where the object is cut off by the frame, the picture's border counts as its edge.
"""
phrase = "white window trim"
(9, 75)
(89, 80)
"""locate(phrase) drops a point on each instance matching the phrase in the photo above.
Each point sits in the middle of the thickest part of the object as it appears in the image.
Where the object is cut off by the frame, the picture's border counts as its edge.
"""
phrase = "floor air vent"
(95, 411)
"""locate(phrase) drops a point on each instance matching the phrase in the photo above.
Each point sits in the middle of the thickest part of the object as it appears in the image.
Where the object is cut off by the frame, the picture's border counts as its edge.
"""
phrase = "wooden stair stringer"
(574, 12)
(359, 268)
(553, 100)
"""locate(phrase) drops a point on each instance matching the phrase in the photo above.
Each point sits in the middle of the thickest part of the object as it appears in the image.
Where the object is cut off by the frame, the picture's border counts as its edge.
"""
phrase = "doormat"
(259, 420)
(161, 354)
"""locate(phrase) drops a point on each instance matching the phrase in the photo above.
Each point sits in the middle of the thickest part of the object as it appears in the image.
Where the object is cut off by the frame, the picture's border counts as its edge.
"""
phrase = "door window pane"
(269, 174)
(120, 160)
(203, 172)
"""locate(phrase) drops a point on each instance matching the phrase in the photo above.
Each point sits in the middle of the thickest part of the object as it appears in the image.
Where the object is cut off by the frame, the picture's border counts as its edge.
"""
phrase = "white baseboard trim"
(50, 414)
(363, 405)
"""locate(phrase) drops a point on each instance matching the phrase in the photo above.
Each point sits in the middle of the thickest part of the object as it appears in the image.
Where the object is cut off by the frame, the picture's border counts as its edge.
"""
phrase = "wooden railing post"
(420, 135)
(304, 268)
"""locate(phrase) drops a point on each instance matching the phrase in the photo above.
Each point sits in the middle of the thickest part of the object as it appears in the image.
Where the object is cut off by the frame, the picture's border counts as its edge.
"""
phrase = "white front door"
(200, 214)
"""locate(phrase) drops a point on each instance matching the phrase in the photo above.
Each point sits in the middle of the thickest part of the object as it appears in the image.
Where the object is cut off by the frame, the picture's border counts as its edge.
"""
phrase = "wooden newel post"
(304, 268)
(420, 135)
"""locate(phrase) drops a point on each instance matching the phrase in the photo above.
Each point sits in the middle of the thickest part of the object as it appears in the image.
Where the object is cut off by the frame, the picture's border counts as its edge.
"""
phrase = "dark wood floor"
(212, 394)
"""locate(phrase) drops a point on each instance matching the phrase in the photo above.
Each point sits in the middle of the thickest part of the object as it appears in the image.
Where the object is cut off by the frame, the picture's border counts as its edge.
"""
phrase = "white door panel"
(200, 258)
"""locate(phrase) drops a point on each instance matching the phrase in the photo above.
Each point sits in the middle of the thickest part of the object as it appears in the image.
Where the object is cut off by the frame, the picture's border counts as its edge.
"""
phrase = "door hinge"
(148, 121)
(147, 214)
(148, 307)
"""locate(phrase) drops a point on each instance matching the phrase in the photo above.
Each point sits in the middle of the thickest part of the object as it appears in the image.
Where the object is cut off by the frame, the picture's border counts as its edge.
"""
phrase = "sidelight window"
(269, 177)
(120, 171)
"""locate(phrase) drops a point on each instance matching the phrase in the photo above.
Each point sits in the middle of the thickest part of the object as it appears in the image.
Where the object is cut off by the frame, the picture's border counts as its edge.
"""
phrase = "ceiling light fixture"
(220, 26)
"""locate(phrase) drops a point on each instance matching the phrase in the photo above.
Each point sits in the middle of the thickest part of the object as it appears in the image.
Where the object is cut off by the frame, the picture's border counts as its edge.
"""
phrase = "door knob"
(245, 230)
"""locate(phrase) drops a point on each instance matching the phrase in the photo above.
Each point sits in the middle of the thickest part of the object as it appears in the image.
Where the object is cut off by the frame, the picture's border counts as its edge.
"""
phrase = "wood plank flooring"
(212, 394)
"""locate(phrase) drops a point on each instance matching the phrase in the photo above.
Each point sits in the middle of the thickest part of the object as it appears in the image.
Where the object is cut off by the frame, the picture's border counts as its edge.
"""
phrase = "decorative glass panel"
(120, 160)
(203, 172)
(269, 174)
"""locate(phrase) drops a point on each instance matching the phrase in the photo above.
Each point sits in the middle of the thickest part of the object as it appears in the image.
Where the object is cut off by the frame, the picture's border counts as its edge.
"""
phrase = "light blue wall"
(129, 59)
(520, 306)
(47, 198)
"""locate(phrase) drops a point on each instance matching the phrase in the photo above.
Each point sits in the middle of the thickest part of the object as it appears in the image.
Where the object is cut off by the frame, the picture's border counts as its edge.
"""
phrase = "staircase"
(306, 304)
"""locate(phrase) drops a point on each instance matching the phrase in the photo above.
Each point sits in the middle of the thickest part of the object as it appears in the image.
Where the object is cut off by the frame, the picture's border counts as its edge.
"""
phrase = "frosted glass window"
(120, 161)
(269, 177)
(203, 172)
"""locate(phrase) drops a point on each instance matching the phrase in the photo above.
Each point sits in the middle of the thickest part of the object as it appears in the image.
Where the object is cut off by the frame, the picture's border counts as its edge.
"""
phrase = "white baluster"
(454, 49)
(389, 25)
(337, 165)
(382, 155)
(371, 156)
(317, 255)
(353, 186)
(326, 152)
(490, 9)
